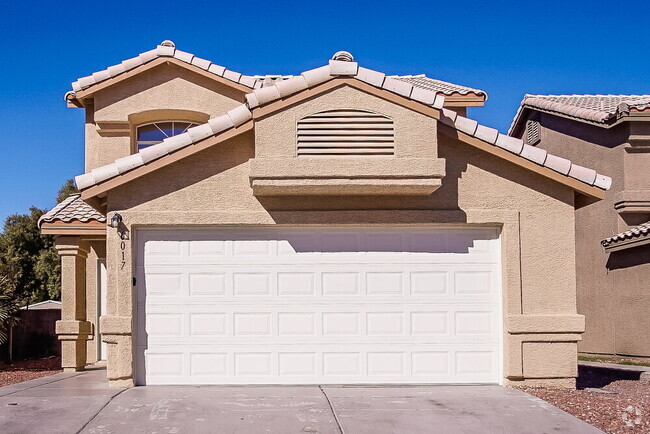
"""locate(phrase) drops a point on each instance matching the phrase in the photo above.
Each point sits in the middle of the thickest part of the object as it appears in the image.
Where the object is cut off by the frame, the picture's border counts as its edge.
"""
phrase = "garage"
(319, 305)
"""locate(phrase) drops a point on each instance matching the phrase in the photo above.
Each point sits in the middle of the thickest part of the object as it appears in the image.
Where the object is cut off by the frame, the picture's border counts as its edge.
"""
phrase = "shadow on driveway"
(82, 402)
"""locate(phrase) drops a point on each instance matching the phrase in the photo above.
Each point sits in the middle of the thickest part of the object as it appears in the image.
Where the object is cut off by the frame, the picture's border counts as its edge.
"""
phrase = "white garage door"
(319, 305)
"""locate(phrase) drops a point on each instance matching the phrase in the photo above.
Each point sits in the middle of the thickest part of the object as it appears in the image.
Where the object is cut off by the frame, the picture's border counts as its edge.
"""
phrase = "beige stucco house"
(337, 226)
(610, 133)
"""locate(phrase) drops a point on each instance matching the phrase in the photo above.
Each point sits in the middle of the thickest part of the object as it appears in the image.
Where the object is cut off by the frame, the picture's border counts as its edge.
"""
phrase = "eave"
(92, 228)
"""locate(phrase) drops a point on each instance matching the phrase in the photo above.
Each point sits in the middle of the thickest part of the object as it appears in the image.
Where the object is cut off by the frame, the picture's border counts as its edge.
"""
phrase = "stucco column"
(73, 329)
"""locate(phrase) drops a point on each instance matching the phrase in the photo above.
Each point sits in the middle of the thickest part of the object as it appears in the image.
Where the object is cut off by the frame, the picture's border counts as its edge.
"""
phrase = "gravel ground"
(625, 410)
(28, 370)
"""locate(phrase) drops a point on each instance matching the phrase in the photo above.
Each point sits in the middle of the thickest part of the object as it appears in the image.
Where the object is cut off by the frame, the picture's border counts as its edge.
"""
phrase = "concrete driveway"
(82, 402)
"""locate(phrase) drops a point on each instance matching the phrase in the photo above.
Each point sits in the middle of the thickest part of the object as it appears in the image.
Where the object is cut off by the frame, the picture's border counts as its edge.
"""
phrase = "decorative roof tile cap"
(168, 43)
(344, 56)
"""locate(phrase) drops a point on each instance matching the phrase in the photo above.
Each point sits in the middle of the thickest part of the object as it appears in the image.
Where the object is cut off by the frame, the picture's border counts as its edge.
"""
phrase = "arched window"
(156, 132)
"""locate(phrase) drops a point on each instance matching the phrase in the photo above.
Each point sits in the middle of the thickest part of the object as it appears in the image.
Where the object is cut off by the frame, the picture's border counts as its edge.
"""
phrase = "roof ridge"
(339, 68)
(165, 49)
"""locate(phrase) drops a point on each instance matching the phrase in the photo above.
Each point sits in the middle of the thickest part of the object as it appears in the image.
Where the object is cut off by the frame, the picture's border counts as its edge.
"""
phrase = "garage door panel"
(329, 364)
(471, 281)
(319, 305)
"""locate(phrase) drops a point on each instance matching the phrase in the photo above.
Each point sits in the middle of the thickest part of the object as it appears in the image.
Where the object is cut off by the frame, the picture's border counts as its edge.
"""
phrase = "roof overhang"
(627, 244)
(470, 99)
(86, 229)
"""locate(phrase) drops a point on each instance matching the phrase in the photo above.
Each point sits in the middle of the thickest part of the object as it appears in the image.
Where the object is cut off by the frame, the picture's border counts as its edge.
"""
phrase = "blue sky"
(507, 48)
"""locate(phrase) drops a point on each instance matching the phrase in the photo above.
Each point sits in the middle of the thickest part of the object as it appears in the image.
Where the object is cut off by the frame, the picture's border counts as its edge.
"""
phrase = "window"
(154, 133)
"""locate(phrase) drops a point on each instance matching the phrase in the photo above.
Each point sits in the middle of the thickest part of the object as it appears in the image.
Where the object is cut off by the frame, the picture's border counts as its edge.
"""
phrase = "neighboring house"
(337, 226)
(34, 334)
(610, 133)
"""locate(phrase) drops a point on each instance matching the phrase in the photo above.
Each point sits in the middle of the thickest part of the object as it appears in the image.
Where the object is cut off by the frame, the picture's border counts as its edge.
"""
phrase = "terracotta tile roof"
(443, 87)
(313, 77)
(165, 49)
(168, 49)
(72, 209)
(599, 109)
(421, 81)
(629, 237)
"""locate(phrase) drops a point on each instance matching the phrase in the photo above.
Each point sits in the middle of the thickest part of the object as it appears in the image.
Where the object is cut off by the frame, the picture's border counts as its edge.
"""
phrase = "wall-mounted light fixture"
(115, 221)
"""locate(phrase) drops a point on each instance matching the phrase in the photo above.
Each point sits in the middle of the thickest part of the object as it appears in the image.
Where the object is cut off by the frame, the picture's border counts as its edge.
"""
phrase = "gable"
(276, 135)
(166, 86)
(394, 173)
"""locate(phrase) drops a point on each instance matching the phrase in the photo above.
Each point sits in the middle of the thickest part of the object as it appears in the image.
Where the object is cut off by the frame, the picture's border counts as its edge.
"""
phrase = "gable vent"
(532, 132)
(346, 132)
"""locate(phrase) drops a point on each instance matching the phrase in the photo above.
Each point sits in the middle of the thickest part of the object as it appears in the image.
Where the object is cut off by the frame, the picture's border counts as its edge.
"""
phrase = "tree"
(24, 261)
(30, 268)
(66, 190)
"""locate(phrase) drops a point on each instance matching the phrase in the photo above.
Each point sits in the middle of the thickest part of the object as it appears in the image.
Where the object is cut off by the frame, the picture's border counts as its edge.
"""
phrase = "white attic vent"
(532, 132)
(346, 132)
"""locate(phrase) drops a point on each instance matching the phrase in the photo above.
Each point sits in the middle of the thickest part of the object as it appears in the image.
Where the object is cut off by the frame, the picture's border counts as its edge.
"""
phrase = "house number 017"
(122, 250)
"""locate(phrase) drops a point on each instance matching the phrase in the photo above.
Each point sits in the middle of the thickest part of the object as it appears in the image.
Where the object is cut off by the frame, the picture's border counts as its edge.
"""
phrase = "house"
(337, 226)
(33, 335)
(610, 133)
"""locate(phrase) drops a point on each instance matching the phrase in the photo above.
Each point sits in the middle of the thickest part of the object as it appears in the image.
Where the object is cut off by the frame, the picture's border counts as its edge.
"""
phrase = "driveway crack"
(336, 418)
(100, 410)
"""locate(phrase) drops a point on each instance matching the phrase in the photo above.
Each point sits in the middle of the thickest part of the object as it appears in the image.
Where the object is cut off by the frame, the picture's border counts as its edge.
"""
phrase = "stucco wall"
(167, 92)
(608, 297)
(415, 134)
(536, 216)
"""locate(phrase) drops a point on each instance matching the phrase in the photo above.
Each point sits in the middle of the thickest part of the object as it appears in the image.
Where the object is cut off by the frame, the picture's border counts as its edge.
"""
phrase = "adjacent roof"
(596, 109)
(44, 305)
(440, 86)
(342, 65)
(636, 236)
(168, 49)
(72, 209)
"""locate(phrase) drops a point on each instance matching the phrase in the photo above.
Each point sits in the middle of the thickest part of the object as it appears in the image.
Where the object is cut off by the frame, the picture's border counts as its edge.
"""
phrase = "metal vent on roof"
(532, 132)
(346, 132)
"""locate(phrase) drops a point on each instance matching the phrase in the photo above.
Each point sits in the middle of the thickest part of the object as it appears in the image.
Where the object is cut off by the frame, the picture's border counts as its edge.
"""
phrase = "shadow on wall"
(627, 258)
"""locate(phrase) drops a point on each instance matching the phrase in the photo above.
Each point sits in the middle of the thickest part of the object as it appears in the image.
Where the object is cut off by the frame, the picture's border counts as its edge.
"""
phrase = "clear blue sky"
(507, 48)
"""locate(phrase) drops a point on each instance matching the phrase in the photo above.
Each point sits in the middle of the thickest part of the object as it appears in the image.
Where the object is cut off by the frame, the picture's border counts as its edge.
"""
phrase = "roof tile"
(369, 76)
(71, 209)
(130, 162)
(559, 164)
(599, 109)
(217, 69)
(340, 67)
(148, 56)
(636, 233)
(583, 174)
(165, 50)
(534, 154)
(511, 144)
(317, 75)
(184, 56)
(399, 87)
(466, 125)
(487, 134)
(220, 123)
(275, 87)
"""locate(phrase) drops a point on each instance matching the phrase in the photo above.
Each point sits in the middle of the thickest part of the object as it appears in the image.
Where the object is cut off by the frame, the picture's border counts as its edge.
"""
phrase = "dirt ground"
(18, 372)
(615, 403)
